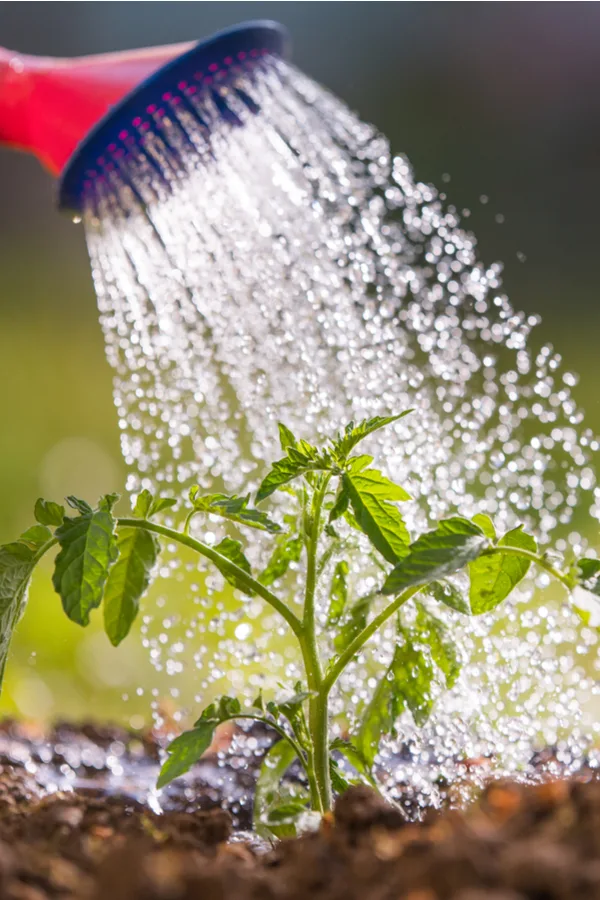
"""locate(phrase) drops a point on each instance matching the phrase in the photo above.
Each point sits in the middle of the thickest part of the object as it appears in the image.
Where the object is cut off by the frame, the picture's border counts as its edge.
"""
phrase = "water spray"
(260, 256)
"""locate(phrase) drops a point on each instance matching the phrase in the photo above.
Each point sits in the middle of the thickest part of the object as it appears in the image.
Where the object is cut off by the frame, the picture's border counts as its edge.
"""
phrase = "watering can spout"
(48, 105)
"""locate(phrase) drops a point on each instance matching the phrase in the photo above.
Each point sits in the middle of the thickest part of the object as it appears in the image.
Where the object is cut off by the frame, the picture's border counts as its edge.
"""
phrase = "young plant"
(109, 560)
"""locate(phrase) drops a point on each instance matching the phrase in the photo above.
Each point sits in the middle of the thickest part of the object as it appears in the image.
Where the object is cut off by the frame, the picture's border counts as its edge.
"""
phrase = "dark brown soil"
(515, 843)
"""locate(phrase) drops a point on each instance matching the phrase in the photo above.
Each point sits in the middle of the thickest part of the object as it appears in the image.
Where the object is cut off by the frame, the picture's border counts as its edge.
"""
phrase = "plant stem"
(318, 705)
(280, 731)
(363, 636)
(224, 564)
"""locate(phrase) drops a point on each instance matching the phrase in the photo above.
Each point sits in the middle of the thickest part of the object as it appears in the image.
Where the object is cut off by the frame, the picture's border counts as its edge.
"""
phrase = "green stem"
(224, 564)
(280, 731)
(44, 549)
(307, 647)
(318, 706)
(363, 636)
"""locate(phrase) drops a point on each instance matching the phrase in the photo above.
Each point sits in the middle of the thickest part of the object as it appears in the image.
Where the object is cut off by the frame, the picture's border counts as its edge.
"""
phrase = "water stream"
(293, 270)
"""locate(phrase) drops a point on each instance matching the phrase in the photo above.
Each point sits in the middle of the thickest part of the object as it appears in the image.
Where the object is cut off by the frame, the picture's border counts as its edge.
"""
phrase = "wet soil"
(75, 824)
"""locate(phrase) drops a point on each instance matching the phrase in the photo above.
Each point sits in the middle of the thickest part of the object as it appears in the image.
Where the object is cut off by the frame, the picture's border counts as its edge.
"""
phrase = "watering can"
(67, 112)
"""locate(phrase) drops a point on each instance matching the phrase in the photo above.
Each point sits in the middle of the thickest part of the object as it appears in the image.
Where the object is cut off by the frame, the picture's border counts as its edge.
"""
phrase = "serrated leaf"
(17, 562)
(338, 593)
(494, 575)
(287, 550)
(353, 434)
(406, 682)
(185, 751)
(37, 536)
(454, 543)
(372, 497)
(48, 513)
(434, 634)
(286, 437)
(484, 522)
(450, 596)
(88, 550)
(232, 550)
(128, 580)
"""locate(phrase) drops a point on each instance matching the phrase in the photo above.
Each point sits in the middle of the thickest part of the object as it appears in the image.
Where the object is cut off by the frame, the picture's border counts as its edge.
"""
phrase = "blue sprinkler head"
(209, 66)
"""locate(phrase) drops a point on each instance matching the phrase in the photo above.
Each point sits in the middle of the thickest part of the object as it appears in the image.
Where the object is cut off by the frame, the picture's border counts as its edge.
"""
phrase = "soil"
(515, 842)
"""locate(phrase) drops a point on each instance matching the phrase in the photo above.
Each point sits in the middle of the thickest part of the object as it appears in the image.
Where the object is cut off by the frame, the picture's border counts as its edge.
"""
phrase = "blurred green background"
(504, 98)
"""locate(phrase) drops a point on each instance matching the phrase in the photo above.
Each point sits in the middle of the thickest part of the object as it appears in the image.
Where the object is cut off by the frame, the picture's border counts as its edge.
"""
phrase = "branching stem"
(223, 564)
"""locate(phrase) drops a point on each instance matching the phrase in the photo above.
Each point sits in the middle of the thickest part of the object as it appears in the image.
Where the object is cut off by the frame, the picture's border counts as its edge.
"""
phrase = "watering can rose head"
(83, 117)
(337, 495)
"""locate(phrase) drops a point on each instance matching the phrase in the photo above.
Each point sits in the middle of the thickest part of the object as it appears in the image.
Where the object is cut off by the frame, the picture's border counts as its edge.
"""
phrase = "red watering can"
(48, 105)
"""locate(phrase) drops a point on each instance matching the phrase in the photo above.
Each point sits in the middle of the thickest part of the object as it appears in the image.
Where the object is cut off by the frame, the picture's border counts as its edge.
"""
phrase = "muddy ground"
(65, 832)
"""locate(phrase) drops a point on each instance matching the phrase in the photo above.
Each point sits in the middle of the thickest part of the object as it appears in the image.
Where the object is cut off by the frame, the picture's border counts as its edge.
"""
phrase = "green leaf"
(434, 634)
(372, 497)
(88, 550)
(287, 550)
(338, 593)
(37, 536)
(340, 506)
(48, 513)
(146, 505)
(588, 569)
(292, 705)
(407, 682)
(358, 463)
(80, 505)
(487, 526)
(17, 562)
(143, 504)
(232, 550)
(128, 580)
(353, 434)
(339, 782)
(286, 437)
(190, 746)
(301, 459)
(185, 751)
(282, 472)
(454, 543)
(355, 757)
(268, 793)
(494, 575)
(355, 623)
(236, 510)
(450, 596)
(220, 710)
(160, 504)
